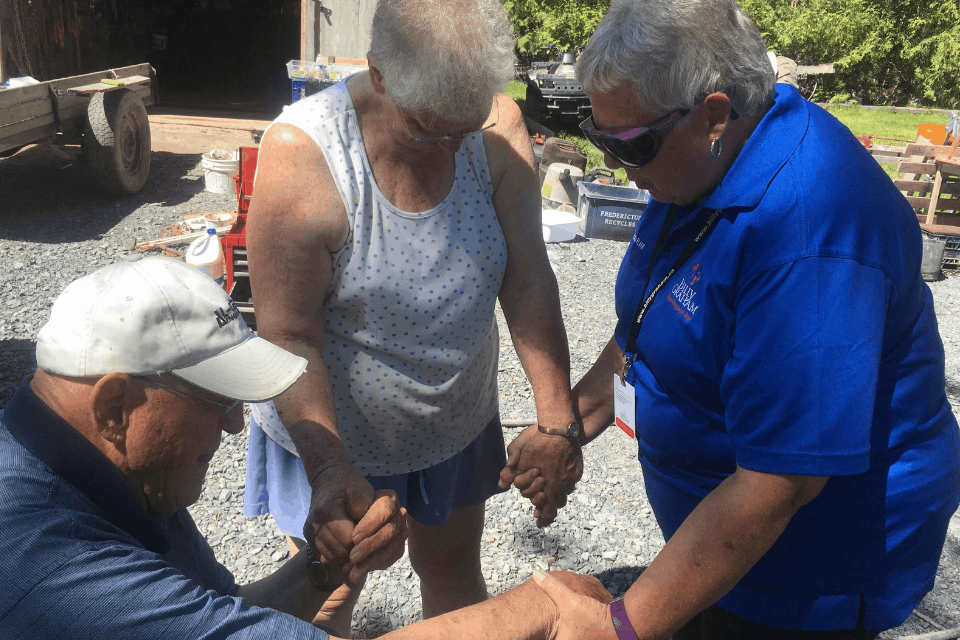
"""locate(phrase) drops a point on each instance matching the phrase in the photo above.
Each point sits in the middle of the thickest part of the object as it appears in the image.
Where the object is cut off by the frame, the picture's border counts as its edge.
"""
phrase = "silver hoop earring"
(716, 148)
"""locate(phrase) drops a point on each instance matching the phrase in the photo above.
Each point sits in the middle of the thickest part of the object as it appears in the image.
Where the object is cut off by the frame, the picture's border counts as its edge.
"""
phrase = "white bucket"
(218, 173)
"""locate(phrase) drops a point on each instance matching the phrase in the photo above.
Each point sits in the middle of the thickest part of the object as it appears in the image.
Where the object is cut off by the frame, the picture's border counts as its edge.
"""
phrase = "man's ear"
(376, 78)
(111, 402)
(718, 114)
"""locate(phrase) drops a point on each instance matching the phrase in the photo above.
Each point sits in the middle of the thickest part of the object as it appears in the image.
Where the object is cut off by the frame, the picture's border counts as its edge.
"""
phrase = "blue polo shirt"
(801, 339)
(83, 560)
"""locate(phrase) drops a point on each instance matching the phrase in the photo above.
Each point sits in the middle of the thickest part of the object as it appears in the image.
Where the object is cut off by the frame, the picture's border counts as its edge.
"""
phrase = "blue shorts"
(277, 484)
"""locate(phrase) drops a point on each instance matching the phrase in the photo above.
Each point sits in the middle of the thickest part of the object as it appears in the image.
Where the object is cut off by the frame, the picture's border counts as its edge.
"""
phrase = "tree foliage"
(543, 23)
(885, 51)
(891, 52)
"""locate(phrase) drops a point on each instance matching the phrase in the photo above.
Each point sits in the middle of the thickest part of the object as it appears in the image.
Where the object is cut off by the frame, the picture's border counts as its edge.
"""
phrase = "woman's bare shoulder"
(508, 143)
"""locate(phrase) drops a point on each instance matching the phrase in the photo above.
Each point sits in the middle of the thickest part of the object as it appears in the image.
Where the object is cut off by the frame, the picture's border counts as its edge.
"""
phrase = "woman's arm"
(713, 549)
(594, 408)
(297, 221)
(593, 395)
(530, 301)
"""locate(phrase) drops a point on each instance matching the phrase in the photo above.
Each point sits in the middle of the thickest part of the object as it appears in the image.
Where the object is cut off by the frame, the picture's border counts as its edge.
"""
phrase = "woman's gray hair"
(676, 52)
(442, 57)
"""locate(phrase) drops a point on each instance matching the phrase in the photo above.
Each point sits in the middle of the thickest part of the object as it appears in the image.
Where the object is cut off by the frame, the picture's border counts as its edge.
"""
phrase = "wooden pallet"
(885, 154)
(936, 201)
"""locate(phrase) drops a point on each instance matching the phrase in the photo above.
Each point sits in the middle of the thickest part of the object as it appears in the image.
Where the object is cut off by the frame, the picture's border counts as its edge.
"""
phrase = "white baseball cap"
(156, 315)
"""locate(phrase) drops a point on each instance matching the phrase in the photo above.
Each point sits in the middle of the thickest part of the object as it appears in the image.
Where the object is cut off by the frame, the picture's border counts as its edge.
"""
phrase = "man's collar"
(74, 458)
(767, 149)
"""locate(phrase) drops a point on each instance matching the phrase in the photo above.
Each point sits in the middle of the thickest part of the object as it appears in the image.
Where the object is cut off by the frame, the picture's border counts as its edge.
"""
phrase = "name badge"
(625, 406)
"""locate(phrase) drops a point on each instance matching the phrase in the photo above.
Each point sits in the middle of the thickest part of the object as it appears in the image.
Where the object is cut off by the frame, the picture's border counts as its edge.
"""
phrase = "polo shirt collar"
(767, 149)
(74, 459)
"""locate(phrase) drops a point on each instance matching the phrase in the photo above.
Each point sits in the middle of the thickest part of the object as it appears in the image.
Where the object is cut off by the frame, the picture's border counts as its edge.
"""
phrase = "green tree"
(885, 51)
(542, 23)
(890, 52)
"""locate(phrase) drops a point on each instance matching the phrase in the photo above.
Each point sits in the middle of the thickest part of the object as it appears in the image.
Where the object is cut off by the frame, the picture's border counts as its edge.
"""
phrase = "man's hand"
(379, 537)
(341, 498)
(544, 468)
(579, 617)
(337, 610)
(583, 585)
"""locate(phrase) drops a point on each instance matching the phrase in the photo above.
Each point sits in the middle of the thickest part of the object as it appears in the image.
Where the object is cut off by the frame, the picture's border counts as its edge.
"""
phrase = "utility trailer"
(108, 119)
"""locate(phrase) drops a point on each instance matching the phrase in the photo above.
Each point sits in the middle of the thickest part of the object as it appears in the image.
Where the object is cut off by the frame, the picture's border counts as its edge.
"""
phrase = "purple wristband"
(621, 623)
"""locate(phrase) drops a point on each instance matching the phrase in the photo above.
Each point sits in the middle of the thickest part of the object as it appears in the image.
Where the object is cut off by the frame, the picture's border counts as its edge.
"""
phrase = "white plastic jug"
(206, 254)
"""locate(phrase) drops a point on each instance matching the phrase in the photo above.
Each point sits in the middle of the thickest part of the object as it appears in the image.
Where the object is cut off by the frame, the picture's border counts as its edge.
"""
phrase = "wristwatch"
(317, 573)
(571, 431)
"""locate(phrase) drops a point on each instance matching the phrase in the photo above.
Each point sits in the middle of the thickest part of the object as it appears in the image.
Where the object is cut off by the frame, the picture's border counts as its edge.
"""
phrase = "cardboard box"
(608, 212)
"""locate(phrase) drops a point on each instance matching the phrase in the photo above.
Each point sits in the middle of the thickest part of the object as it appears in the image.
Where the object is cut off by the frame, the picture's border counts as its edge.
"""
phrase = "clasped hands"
(545, 469)
(581, 604)
(354, 529)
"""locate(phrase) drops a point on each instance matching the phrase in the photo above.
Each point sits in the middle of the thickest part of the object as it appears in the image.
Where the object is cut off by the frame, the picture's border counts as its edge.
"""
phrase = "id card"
(625, 406)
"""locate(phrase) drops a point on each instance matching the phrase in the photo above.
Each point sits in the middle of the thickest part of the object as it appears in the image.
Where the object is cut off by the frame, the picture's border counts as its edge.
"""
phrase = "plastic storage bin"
(609, 212)
(298, 90)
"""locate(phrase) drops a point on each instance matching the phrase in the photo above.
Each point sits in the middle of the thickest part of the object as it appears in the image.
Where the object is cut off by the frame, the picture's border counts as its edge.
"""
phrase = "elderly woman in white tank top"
(391, 212)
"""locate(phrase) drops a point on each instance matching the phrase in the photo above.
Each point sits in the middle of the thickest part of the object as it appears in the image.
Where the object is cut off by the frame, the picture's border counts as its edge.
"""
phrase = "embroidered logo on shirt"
(682, 296)
(694, 274)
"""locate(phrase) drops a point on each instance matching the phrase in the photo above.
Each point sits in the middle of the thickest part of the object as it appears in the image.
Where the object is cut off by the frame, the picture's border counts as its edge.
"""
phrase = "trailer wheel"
(116, 140)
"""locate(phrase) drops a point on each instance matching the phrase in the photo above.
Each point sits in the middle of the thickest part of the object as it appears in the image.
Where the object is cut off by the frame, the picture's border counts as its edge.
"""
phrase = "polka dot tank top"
(411, 338)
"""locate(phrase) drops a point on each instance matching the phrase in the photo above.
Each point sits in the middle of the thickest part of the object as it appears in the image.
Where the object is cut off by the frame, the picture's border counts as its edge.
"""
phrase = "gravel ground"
(56, 227)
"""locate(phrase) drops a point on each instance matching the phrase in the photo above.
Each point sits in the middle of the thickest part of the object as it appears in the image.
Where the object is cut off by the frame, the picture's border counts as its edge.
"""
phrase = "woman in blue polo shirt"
(781, 365)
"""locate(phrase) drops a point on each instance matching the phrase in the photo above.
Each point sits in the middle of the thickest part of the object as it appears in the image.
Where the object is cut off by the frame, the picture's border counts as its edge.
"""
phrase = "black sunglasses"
(633, 147)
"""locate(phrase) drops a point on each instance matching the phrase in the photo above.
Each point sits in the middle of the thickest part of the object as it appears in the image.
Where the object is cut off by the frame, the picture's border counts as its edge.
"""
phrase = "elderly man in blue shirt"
(140, 368)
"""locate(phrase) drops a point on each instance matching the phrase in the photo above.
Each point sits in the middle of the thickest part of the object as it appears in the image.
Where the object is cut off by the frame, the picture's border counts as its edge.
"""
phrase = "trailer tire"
(116, 140)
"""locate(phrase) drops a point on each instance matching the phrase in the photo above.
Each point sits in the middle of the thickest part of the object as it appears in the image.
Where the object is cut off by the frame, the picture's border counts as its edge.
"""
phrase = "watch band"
(317, 573)
(621, 623)
(571, 431)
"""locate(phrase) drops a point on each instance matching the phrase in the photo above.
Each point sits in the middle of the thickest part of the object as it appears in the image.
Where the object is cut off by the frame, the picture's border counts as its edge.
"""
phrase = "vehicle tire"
(116, 140)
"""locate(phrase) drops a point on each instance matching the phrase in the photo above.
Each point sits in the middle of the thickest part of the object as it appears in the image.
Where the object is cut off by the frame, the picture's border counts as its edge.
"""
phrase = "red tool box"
(235, 242)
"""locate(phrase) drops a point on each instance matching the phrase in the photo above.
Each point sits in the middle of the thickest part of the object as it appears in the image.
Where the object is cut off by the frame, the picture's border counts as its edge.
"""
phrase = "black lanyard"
(644, 305)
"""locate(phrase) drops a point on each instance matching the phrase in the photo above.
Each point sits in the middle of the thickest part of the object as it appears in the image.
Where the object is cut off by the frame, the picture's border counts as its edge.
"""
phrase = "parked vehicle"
(553, 90)
(104, 111)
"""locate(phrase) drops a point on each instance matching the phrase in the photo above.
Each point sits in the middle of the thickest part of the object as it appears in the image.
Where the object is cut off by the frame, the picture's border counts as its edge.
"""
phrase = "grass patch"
(516, 90)
(885, 123)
